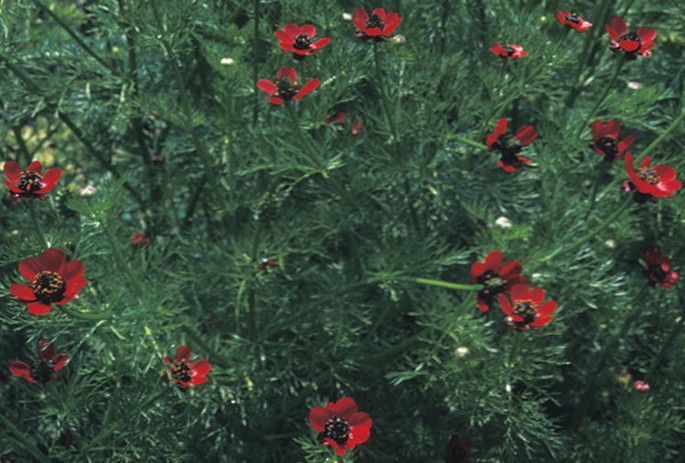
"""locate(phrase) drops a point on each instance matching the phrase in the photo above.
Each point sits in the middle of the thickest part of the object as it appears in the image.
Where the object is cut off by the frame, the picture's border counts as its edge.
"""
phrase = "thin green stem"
(311, 148)
(441, 284)
(591, 391)
(579, 242)
(92, 151)
(120, 260)
(84, 315)
(601, 172)
(470, 142)
(76, 37)
(24, 440)
(255, 60)
(663, 135)
(36, 224)
(381, 89)
(619, 65)
(197, 340)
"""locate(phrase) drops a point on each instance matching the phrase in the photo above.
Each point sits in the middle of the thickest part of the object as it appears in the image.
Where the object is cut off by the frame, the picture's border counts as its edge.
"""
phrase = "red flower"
(512, 51)
(53, 281)
(633, 43)
(458, 451)
(266, 264)
(286, 87)
(141, 240)
(340, 425)
(42, 371)
(510, 146)
(30, 183)
(300, 40)
(341, 118)
(659, 270)
(525, 309)
(497, 276)
(573, 20)
(184, 373)
(641, 386)
(651, 182)
(605, 140)
(377, 26)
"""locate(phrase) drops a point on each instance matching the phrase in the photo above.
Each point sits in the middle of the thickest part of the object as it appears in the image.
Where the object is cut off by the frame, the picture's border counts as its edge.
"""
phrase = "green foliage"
(152, 112)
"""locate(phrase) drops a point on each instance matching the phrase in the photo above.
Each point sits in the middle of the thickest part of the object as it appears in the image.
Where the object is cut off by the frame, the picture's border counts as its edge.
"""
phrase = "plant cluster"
(305, 255)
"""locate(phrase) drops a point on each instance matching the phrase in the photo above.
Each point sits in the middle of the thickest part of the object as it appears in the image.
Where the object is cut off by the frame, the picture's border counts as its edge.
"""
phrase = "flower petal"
(182, 353)
(73, 269)
(646, 34)
(343, 408)
(38, 308)
(12, 170)
(22, 370)
(23, 292)
(308, 30)
(318, 417)
(289, 73)
(309, 87)
(52, 260)
(267, 86)
(526, 134)
(200, 367)
(29, 267)
(49, 180)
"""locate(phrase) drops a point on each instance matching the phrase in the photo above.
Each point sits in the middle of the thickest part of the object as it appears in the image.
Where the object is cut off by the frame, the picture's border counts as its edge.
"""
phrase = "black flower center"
(526, 311)
(608, 146)
(181, 371)
(48, 287)
(30, 182)
(375, 21)
(302, 42)
(630, 35)
(648, 175)
(657, 272)
(572, 18)
(42, 371)
(494, 284)
(286, 89)
(337, 429)
(509, 146)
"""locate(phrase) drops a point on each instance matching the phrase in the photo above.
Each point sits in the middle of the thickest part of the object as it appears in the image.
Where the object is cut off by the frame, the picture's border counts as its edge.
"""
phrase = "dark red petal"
(23, 292)
(494, 261)
(652, 256)
(200, 367)
(60, 361)
(626, 143)
(331, 443)
(481, 304)
(182, 353)
(35, 167)
(74, 269)
(500, 129)
(547, 308)
(597, 130)
(52, 259)
(536, 295)
(318, 417)
(646, 34)
(289, 73)
(283, 37)
(196, 380)
(519, 292)
(13, 188)
(343, 408)
(506, 167)
(374, 32)
(498, 50)
(630, 169)
(561, 17)
(49, 180)
(308, 30)
(267, 86)
(629, 45)
(309, 87)
(504, 304)
(619, 27)
(12, 170)
(541, 321)
(510, 269)
(477, 269)
(380, 12)
(359, 19)
(526, 134)
(73, 287)
(276, 100)
(321, 43)
(612, 129)
(292, 29)
(665, 172)
(38, 308)
(391, 22)
(29, 267)
(22, 370)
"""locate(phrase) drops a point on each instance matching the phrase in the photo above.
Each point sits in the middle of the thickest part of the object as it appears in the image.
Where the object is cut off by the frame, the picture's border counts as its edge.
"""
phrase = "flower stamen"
(48, 287)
